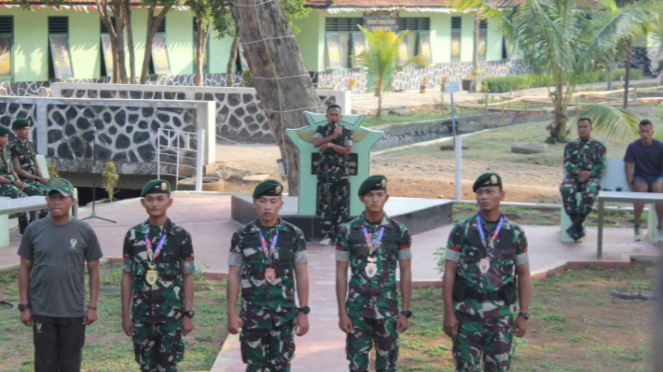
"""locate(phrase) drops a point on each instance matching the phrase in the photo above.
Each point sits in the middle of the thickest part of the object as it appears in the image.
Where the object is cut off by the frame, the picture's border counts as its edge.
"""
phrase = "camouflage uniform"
(333, 182)
(372, 303)
(9, 190)
(268, 309)
(485, 326)
(25, 156)
(581, 156)
(157, 310)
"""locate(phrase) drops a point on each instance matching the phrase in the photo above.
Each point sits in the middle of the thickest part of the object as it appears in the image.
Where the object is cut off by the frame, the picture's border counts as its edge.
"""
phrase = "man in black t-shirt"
(643, 164)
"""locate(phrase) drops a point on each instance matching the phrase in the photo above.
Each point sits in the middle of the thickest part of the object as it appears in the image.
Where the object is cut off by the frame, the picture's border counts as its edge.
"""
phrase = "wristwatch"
(23, 307)
(190, 313)
(406, 314)
(304, 309)
(525, 315)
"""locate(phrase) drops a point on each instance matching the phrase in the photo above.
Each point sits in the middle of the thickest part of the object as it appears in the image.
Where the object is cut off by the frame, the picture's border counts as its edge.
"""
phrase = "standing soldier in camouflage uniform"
(335, 144)
(266, 256)
(10, 185)
(25, 163)
(480, 286)
(373, 245)
(584, 161)
(157, 283)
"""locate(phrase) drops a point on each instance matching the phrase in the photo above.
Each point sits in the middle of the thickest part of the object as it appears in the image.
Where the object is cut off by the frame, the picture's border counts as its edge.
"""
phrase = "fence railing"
(174, 152)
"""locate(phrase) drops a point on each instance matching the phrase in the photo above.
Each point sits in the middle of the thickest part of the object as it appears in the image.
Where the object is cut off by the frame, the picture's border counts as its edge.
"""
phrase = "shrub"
(109, 179)
(507, 83)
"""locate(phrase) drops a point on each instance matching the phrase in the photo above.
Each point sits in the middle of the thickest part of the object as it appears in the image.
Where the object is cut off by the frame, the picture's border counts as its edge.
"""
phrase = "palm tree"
(556, 38)
(381, 57)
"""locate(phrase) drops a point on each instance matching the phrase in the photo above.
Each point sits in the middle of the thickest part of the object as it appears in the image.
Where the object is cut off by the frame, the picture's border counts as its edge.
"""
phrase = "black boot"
(575, 231)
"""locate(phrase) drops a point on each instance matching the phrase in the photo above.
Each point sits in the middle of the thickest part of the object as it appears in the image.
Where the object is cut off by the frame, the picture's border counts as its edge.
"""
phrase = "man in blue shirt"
(643, 164)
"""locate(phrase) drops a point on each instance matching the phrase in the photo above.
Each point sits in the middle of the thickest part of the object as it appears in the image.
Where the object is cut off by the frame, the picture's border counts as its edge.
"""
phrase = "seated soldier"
(584, 162)
(25, 163)
(10, 185)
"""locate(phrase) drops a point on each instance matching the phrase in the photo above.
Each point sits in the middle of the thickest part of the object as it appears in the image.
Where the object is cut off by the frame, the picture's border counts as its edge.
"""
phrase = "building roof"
(365, 5)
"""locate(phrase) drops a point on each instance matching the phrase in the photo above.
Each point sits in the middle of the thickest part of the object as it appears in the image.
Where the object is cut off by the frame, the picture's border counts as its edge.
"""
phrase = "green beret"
(268, 188)
(487, 179)
(156, 187)
(3, 130)
(373, 183)
(20, 123)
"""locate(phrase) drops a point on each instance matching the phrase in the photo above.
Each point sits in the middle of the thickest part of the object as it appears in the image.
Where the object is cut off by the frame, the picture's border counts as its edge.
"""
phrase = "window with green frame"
(343, 40)
(106, 50)
(60, 64)
(6, 48)
(205, 56)
(417, 40)
(160, 62)
(456, 37)
(483, 39)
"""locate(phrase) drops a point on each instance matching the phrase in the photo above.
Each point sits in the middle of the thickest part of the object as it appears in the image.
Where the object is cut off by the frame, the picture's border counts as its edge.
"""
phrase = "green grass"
(573, 326)
(107, 348)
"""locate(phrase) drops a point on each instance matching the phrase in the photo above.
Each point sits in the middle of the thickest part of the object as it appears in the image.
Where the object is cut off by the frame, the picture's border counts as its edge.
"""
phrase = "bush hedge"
(507, 83)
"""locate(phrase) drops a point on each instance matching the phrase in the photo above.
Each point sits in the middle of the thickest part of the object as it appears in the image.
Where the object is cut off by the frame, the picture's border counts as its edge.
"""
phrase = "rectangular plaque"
(352, 163)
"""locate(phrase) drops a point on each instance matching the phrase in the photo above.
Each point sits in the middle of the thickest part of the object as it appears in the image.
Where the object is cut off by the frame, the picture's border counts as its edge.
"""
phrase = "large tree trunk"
(152, 27)
(280, 76)
(201, 47)
(627, 75)
(130, 42)
(234, 49)
(116, 33)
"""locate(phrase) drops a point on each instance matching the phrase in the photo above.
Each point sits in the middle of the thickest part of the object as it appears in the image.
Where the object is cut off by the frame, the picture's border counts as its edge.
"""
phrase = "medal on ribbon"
(152, 274)
(268, 250)
(371, 267)
(484, 264)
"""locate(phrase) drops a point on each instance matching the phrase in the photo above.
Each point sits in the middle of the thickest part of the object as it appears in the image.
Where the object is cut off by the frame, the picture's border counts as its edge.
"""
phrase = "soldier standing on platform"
(479, 287)
(157, 284)
(584, 161)
(373, 245)
(266, 256)
(335, 144)
(10, 184)
(24, 159)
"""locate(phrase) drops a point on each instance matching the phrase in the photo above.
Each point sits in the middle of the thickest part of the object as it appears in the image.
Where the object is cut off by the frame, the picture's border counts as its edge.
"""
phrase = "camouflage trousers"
(158, 347)
(268, 349)
(588, 190)
(483, 340)
(334, 195)
(359, 342)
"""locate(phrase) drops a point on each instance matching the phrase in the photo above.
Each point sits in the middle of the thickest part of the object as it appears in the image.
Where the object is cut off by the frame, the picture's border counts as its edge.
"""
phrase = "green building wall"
(31, 41)
(312, 39)
(30, 50)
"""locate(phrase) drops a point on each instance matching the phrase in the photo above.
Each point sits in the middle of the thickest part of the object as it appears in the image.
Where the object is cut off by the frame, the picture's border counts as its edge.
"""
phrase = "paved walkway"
(207, 217)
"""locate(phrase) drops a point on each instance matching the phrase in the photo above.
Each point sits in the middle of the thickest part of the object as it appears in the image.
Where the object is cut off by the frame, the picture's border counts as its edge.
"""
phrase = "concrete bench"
(10, 206)
(612, 179)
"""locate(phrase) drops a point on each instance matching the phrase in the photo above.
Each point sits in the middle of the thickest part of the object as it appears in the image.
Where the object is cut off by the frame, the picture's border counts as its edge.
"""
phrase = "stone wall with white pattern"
(239, 115)
(125, 131)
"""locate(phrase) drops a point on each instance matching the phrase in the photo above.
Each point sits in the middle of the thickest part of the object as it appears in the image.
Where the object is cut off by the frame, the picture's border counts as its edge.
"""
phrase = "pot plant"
(424, 84)
(466, 84)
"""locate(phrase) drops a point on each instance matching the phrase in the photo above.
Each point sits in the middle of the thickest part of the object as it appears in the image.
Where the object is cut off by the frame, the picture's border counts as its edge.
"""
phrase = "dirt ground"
(409, 176)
